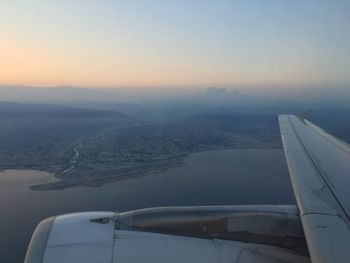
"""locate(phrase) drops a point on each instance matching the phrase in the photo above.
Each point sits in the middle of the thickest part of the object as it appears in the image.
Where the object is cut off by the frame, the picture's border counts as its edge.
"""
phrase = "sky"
(175, 43)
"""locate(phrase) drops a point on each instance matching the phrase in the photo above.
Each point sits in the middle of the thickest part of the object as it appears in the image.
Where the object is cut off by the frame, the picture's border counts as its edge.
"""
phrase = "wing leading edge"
(319, 166)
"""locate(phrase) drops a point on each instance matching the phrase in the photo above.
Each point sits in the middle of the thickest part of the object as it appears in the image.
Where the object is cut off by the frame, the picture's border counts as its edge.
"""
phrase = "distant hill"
(55, 94)
(12, 109)
(130, 109)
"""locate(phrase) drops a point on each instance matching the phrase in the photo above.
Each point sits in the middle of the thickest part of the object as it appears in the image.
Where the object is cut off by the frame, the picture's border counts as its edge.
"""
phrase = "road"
(77, 149)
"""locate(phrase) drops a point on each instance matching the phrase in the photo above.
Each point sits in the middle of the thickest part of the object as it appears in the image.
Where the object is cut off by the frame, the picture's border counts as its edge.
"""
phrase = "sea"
(216, 177)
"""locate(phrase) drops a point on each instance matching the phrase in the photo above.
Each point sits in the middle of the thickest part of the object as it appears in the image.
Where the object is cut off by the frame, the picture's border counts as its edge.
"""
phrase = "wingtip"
(302, 116)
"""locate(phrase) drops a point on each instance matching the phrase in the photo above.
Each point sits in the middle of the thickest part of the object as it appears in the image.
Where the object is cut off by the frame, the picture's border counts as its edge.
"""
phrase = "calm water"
(208, 178)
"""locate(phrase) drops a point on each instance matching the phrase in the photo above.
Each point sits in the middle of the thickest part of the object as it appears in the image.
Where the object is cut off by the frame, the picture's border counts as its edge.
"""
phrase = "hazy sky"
(175, 42)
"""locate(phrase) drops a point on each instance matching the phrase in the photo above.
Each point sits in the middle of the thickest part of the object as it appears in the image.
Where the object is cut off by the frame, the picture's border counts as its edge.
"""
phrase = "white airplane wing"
(319, 166)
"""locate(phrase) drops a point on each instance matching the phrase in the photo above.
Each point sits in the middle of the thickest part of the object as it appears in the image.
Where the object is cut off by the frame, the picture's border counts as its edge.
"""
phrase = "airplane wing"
(319, 167)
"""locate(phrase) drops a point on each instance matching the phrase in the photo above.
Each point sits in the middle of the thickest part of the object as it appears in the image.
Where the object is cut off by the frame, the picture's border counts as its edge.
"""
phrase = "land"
(91, 147)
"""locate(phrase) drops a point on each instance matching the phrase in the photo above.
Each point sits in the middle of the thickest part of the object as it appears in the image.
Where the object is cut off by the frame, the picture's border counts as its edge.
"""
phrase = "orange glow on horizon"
(30, 64)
